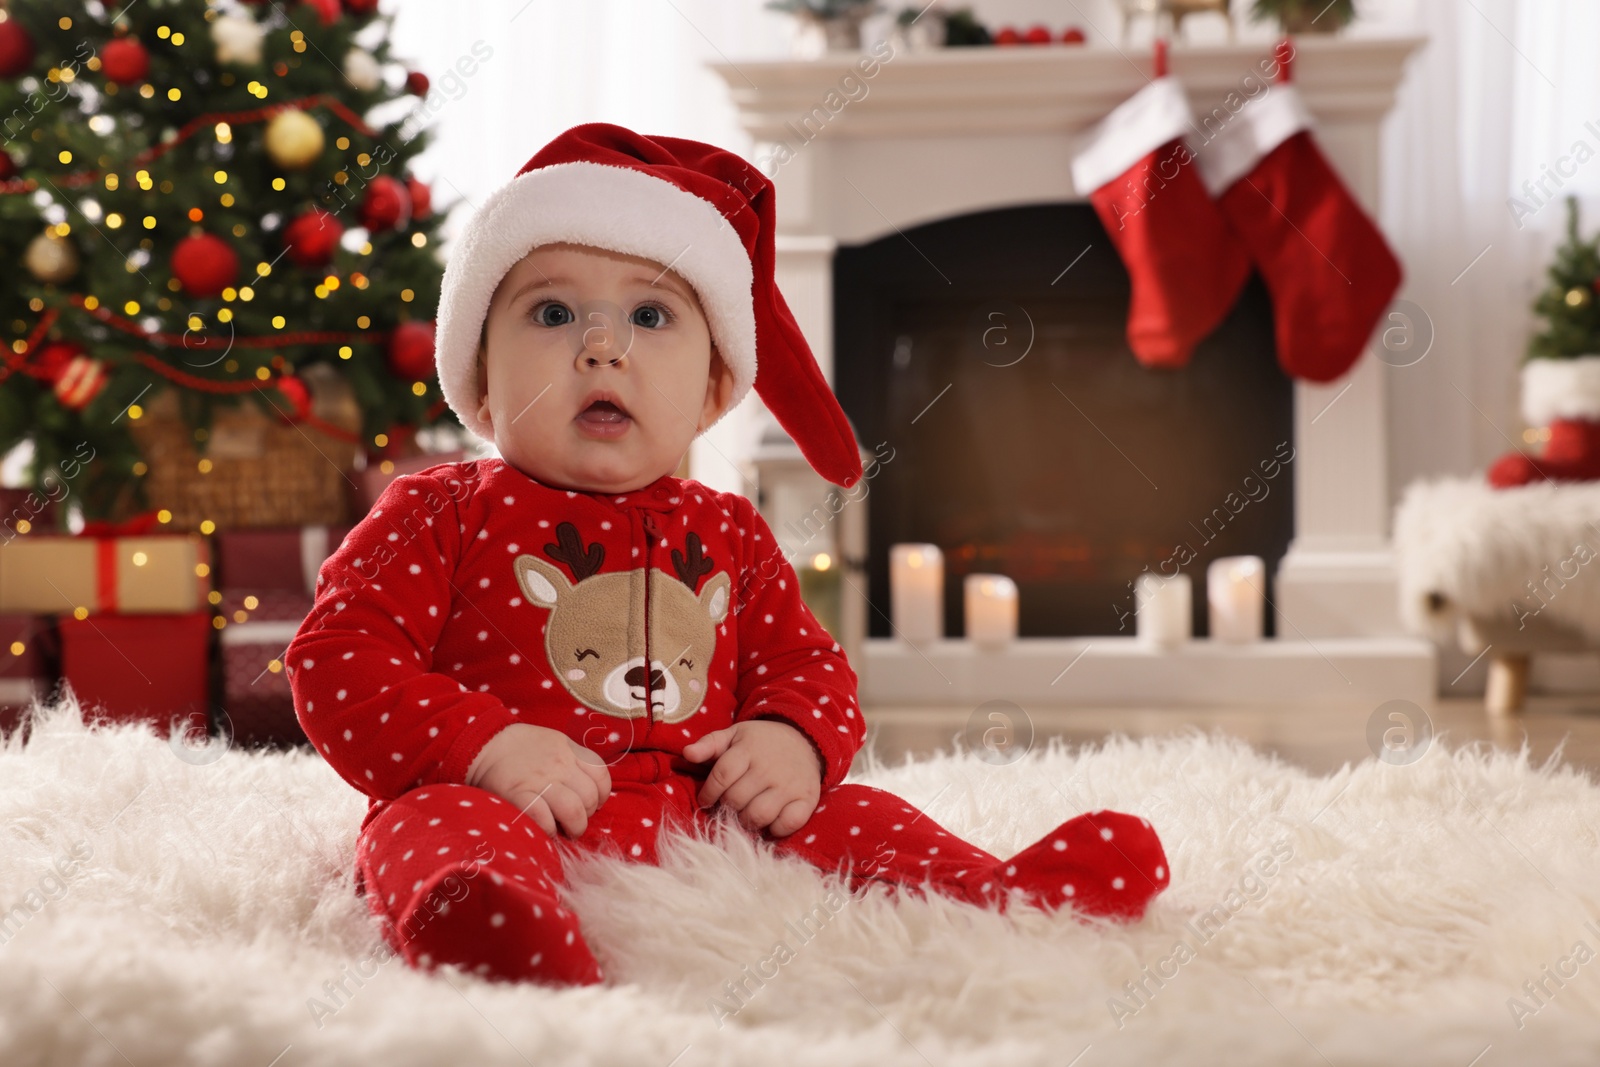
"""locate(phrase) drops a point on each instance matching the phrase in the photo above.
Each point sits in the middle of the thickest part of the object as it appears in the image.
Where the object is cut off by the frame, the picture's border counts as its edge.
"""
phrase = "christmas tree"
(1571, 322)
(201, 204)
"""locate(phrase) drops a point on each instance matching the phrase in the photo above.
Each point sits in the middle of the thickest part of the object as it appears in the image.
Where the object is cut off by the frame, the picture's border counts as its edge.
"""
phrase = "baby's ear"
(719, 390)
(483, 381)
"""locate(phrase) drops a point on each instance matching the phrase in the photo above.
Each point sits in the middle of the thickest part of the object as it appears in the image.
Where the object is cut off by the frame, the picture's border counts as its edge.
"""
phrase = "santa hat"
(702, 211)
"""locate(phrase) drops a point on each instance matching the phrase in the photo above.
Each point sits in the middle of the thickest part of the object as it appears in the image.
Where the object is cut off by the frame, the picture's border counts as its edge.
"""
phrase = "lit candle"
(991, 606)
(1163, 609)
(916, 591)
(1235, 593)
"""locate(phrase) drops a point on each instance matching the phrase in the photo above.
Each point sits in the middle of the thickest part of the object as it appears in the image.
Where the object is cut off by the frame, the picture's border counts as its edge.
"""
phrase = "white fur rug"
(1479, 547)
(207, 910)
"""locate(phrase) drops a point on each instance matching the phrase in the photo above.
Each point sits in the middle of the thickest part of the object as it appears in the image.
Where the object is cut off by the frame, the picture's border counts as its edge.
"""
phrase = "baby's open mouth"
(604, 417)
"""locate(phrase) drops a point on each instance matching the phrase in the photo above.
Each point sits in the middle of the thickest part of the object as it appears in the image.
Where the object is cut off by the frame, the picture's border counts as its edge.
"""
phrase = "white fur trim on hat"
(616, 208)
(1139, 125)
(1560, 389)
(1260, 126)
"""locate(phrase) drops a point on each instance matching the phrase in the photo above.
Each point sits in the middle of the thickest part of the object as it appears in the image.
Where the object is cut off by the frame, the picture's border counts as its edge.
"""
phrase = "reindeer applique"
(597, 623)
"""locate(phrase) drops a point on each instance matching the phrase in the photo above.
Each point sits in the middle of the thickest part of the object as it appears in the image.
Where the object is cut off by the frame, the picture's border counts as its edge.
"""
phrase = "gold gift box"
(165, 574)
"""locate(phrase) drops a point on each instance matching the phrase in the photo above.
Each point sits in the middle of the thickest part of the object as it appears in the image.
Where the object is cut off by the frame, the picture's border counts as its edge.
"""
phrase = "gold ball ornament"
(50, 258)
(294, 140)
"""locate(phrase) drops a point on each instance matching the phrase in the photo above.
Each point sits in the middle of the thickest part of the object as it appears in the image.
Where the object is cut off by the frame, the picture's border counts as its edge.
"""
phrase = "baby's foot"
(503, 929)
(1101, 863)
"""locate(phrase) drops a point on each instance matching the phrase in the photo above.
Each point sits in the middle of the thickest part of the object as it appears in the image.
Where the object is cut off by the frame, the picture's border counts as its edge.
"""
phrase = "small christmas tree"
(1571, 324)
(203, 208)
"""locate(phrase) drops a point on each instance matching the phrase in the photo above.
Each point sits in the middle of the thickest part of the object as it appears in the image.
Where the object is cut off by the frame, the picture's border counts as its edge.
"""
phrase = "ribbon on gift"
(105, 534)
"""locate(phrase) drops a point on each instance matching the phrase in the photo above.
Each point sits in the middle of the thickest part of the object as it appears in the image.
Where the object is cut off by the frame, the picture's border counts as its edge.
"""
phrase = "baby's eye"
(654, 317)
(540, 314)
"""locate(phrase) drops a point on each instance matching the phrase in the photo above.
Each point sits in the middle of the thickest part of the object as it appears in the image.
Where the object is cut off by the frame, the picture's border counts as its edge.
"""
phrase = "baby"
(569, 647)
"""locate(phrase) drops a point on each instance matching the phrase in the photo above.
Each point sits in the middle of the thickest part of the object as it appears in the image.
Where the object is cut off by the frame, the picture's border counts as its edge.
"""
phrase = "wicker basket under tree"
(251, 468)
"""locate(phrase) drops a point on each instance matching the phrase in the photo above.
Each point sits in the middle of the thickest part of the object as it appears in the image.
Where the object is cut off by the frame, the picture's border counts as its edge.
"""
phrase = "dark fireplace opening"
(987, 351)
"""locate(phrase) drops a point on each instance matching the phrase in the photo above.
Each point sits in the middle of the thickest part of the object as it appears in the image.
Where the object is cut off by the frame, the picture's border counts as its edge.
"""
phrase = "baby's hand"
(767, 771)
(545, 773)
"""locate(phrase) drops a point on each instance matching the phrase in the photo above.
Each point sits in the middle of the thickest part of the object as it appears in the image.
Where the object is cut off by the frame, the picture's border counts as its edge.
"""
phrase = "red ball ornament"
(421, 199)
(1038, 34)
(204, 264)
(8, 166)
(80, 382)
(386, 206)
(417, 83)
(1073, 35)
(312, 238)
(327, 10)
(296, 394)
(16, 49)
(411, 351)
(54, 357)
(1007, 35)
(125, 61)
(361, 7)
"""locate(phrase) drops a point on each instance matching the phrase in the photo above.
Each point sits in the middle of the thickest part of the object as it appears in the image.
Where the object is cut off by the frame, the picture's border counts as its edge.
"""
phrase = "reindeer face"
(595, 623)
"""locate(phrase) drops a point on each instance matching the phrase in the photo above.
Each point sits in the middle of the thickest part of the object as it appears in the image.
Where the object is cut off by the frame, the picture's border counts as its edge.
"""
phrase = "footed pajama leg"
(1101, 863)
(460, 876)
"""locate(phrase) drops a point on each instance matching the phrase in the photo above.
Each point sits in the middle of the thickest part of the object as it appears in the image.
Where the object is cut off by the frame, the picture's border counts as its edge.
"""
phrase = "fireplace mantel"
(931, 135)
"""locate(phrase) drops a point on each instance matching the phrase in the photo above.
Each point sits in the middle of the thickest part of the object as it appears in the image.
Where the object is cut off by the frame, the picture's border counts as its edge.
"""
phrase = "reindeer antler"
(581, 561)
(690, 565)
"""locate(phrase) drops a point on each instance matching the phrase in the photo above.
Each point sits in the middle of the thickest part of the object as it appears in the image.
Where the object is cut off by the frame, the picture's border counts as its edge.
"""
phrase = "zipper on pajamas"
(647, 523)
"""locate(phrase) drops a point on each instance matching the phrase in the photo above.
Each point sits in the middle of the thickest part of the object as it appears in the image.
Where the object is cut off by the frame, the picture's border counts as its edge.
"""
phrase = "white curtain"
(1501, 96)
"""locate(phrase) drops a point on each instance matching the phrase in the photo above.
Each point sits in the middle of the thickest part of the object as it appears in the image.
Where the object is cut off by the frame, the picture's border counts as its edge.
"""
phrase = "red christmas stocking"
(1564, 395)
(1329, 270)
(1185, 267)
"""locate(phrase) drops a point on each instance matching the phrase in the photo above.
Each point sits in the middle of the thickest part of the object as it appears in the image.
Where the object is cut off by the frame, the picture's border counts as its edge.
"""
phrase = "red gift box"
(256, 697)
(28, 659)
(240, 607)
(255, 688)
(152, 668)
(280, 558)
(372, 480)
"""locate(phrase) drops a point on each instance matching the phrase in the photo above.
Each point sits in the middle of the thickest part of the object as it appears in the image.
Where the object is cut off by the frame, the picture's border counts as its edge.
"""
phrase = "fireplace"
(988, 351)
(937, 201)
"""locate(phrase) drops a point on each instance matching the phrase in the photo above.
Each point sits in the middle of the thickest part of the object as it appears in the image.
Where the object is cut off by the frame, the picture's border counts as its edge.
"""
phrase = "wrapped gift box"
(255, 687)
(257, 628)
(29, 658)
(151, 668)
(278, 558)
(374, 478)
(160, 573)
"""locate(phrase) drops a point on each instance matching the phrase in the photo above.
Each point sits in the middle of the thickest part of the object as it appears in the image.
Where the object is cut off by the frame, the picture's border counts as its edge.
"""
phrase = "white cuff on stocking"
(1245, 140)
(1139, 125)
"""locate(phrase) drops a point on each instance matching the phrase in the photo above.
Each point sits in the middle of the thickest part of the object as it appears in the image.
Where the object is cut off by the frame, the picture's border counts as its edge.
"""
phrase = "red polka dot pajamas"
(473, 597)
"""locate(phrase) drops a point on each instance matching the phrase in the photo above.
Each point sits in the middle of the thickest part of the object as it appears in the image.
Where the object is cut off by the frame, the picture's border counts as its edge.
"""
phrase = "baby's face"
(598, 370)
